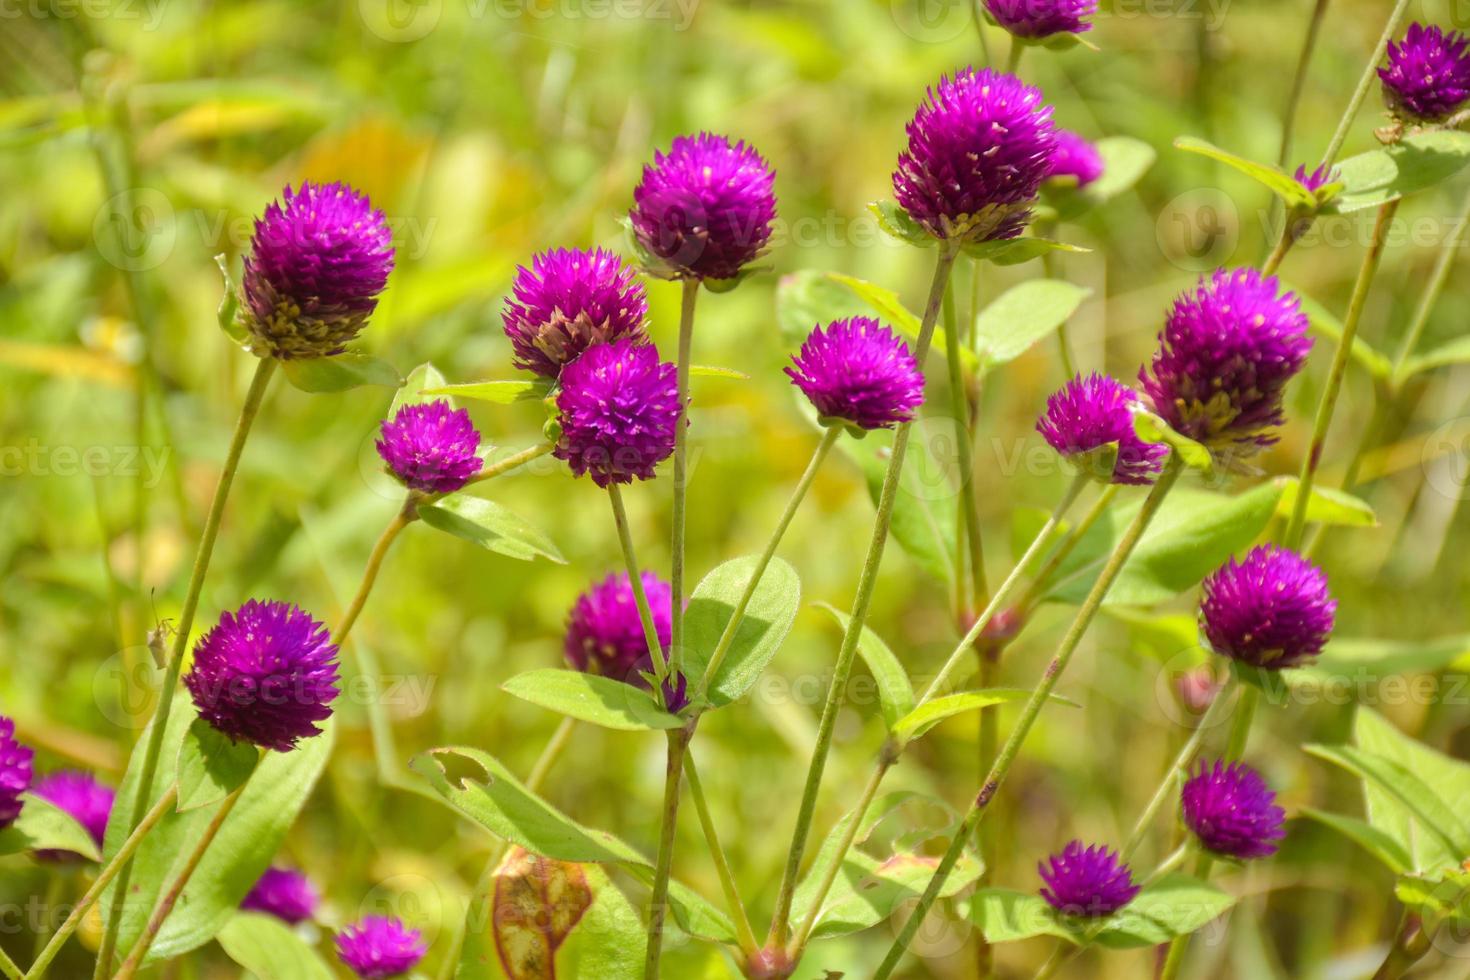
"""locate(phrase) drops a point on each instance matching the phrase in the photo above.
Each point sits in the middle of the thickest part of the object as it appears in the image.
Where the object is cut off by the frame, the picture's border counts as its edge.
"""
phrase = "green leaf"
(1377, 843)
(811, 298)
(1358, 657)
(498, 392)
(1005, 916)
(896, 223)
(1014, 251)
(768, 618)
(588, 697)
(1456, 351)
(491, 526)
(1283, 185)
(1175, 905)
(1437, 897)
(44, 826)
(925, 511)
(1416, 162)
(917, 722)
(890, 308)
(1150, 428)
(1125, 161)
(1023, 315)
(340, 372)
(1324, 324)
(1326, 505)
(417, 389)
(210, 766)
(895, 692)
(1449, 778)
(711, 371)
(1404, 788)
(268, 949)
(229, 305)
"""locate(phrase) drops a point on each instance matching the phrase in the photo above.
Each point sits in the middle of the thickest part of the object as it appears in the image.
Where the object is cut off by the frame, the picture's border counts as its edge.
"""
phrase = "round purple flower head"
(859, 371)
(1271, 610)
(1232, 811)
(1075, 158)
(1086, 881)
(979, 147)
(1224, 358)
(378, 946)
(1427, 77)
(1089, 420)
(604, 634)
(317, 263)
(1037, 19)
(266, 674)
(567, 301)
(15, 772)
(619, 409)
(284, 893)
(87, 801)
(431, 447)
(705, 208)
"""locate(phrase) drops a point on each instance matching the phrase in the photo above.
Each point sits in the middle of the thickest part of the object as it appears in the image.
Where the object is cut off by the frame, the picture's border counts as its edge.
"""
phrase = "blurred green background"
(489, 129)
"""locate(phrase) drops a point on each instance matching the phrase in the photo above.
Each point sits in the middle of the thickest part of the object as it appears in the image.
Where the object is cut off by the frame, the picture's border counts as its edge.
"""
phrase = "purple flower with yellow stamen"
(705, 208)
(978, 149)
(317, 263)
(859, 371)
(1427, 78)
(1090, 882)
(619, 409)
(604, 633)
(1075, 159)
(378, 946)
(284, 893)
(15, 772)
(266, 674)
(87, 801)
(1271, 610)
(1038, 19)
(568, 300)
(431, 447)
(1232, 811)
(1090, 419)
(1225, 355)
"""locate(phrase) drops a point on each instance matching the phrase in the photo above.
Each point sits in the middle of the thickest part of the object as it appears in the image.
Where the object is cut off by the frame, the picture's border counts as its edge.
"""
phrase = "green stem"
(743, 931)
(635, 580)
(1240, 725)
(980, 31)
(1167, 865)
(1365, 82)
(780, 922)
(1437, 280)
(8, 966)
(969, 502)
(727, 637)
(508, 463)
(1013, 59)
(1328, 403)
(264, 368)
(1032, 709)
(681, 471)
(1299, 81)
(406, 515)
(668, 824)
(1180, 945)
(1409, 947)
(1043, 579)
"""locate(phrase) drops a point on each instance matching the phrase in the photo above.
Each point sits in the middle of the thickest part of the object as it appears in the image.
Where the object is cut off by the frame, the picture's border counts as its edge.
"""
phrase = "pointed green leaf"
(895, 692)
(917, 722)
(1404, 788)
(210, 766)
(1283, 185)
(229, 305)
(896, 223)
(1449, 779)
(1377, 843)
(417, 389)
(890, 309)
(588, 697)
(1150, 428)
(1023, 315)
(767, 620)
(340, 372)
(498, 392)
(269, 949)
(491, 526)
(1414, 163)
(1326, 505)
(44, 826)
(1014, 251)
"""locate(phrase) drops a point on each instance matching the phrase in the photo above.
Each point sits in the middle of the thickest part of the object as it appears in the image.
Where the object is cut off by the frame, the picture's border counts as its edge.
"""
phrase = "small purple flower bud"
(1317, 179)
(1197, 689)
(1037, 19)
(604, 634)
(265, 674)
(431, 447)
(1091, 420)
(1232, 811)
(87, 801)
(676, 691)
(377, 947)
(619, 409)
(1090, 882)
(860, 372)
(567, 301)
(1271, 610)
(979, 147)
(1427, 78)
(1075, 159)
(1225, 356)
(315, 269)
(705, 208)
(284, 893)
(15, 772)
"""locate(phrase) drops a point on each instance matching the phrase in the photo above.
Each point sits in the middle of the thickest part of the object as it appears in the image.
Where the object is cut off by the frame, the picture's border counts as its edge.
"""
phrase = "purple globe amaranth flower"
(1086, 881)
(15, 772)
(705, 208)
(431, 447)
(1075, 159)
(859, 371)
(87, 801)
(1427, 77)
(377, 947)
(604, 633)
(317, 263)
(567, 301)
(266, 673)
(1232, 811)
(1090, 421)
(284, 893)
(1224, 358)
(979, 147)
(1037, 19)
(1271, 610)
(619, 410)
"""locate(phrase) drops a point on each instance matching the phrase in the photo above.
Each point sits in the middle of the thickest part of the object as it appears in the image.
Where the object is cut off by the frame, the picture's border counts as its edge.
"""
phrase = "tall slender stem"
(1240, 725)
(1032, 709)
(1299, 81)
(681, 470)
(969, 502)
(635, 581)
(1043, 578)
(1174, 959)
(743, 932)
(1328, 403)
(8, 966)
(1435, 286)
(668, 825)
(1365, 82)
(980, 31)
(1013, 59)
(254, 397)
(406, 515)
(780, 922)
